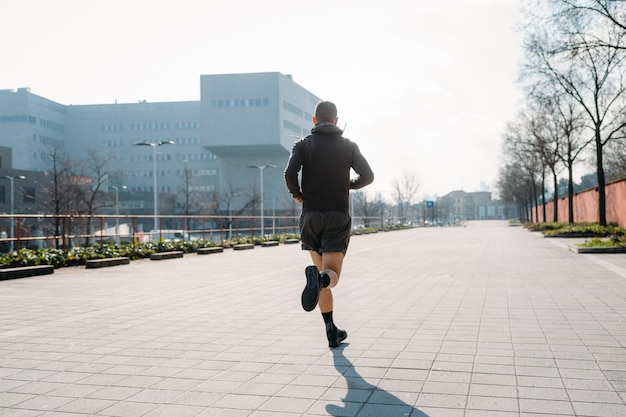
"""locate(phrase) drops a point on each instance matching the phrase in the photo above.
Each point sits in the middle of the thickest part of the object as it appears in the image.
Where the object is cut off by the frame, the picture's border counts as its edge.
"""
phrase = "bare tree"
(187, 193)
(535, 127)
(230, 203)
(616, 161)
(74, 188)
(366, 207)
(567, 126)
(57, 190)
(520, 152)
(512, 185)
(89, 185)
(589, 16)
(189, 199)
(559, 141)
(563, 46)
(405, 192)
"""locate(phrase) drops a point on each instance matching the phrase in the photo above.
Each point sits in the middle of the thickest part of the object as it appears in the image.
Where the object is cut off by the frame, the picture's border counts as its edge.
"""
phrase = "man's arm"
(291, 173)
(363, 170)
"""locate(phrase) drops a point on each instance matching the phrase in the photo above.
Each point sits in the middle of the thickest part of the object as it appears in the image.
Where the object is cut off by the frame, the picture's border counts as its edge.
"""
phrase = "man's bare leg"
(329, 263)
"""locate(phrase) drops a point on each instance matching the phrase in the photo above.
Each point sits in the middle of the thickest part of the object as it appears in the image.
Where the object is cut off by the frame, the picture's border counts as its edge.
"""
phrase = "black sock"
(324, 279)
(328, 320)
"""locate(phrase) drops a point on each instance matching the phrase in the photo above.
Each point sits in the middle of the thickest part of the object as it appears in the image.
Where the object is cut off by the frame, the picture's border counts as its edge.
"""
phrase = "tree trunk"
(555, 217)
(535, 202)
(543, 195)
(570, 194)
(601, 180)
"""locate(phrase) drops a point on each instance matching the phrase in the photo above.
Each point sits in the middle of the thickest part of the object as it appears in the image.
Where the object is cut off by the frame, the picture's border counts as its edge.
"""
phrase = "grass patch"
(576, 229)
(542, 227)
(610, 236)
(612, 242)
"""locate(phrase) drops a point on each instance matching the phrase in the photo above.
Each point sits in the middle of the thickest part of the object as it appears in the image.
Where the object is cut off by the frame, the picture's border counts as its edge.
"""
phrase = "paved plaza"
(484, 320)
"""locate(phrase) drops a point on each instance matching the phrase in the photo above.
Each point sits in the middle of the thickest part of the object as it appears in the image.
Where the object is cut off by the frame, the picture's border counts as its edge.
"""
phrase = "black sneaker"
(335, 337)
(311, 293)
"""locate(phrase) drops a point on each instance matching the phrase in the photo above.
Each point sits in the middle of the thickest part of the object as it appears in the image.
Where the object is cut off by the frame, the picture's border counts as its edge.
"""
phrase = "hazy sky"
(424, 86)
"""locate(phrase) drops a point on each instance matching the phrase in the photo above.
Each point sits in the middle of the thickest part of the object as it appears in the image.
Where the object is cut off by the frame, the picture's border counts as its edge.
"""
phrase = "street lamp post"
(117, 211)
(186, 195)
(154, 146)
(261, 168)
(12, 180)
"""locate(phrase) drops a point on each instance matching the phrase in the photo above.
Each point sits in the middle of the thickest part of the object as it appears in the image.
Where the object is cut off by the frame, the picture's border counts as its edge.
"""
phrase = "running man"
(325, 158)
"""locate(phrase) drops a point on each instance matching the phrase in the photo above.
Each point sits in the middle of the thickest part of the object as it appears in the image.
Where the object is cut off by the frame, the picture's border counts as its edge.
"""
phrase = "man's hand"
(298, 199)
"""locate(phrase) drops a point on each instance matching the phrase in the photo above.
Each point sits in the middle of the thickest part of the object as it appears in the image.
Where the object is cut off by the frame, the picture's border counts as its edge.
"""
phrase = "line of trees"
(402, 209)
(574, 79)
(82, 187)
(74, 189)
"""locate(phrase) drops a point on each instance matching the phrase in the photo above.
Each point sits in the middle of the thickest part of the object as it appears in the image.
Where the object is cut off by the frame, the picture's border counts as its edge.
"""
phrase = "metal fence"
(39, 231)
(65, 231)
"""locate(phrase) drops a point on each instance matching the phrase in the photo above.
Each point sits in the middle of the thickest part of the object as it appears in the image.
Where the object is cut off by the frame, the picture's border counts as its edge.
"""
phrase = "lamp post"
(12, 180)
(261, 168)
(154, 146)
(117, 211)
(186, 194)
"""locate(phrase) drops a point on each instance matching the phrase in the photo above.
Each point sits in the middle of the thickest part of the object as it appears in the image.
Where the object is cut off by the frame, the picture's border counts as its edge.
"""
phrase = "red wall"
(586, 206)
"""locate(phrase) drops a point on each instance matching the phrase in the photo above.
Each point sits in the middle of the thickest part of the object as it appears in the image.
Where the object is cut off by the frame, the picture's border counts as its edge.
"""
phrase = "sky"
(425, 87)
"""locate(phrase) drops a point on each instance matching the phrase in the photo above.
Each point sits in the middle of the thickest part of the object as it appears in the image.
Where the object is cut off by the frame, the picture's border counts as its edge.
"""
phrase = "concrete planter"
(101, 263)
(25, 271)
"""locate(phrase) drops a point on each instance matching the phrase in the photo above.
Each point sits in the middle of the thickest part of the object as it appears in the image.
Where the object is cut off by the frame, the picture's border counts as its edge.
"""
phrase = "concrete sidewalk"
(478, 321)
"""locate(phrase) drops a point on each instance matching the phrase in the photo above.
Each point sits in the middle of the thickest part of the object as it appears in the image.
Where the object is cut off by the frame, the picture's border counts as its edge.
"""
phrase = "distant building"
(241, 120)
(26, 186)
(461, 205)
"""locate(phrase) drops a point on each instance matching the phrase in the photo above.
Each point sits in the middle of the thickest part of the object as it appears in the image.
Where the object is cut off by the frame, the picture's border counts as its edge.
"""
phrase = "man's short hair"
(325, 111)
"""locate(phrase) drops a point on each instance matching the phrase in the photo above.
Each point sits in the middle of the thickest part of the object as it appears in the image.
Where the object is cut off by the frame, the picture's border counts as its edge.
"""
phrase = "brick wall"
(586, 206)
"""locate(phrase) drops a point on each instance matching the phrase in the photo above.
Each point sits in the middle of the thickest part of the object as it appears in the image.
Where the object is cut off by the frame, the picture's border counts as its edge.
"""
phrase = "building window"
(112, 143)
(292, 109)
(292, 126)
(240, 102)
(28, 195)
(13, 119)
(3, 197)
(146, 126)
(54, 143)
(187, 125)
(51, 125)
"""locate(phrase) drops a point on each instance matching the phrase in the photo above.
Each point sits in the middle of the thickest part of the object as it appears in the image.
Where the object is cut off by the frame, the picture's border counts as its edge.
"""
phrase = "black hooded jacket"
(326, 158)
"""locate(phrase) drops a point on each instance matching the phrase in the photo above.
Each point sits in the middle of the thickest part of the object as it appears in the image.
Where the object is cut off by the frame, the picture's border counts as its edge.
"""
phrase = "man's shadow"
(364, 399)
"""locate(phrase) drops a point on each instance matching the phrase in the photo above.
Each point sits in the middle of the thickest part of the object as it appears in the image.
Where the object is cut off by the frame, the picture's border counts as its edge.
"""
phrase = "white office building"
(241, 121)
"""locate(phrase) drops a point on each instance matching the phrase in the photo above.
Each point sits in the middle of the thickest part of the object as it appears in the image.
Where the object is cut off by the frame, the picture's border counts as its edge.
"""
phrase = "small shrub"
(590, 229)
(540, 227)
(79, 255)
(612, 242)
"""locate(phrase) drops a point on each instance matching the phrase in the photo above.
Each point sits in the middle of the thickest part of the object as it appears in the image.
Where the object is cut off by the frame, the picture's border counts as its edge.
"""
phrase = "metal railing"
(65, 231)
(39, 231)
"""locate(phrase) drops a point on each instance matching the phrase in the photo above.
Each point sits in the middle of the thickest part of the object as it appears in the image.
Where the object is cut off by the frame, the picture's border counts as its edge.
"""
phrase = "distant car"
(168, 235)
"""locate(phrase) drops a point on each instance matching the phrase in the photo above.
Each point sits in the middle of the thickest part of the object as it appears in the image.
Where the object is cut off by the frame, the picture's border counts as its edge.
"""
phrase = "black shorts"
(325, 231)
